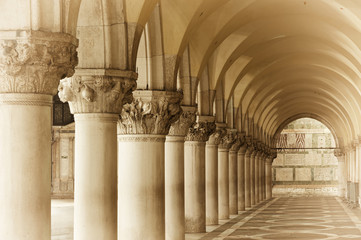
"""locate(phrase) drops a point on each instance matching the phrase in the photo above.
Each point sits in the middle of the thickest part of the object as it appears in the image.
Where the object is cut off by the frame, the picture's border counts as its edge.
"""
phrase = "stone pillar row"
(137, 185)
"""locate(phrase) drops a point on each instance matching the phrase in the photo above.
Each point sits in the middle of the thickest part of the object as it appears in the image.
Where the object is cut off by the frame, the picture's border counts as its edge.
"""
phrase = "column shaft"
(256, 177)
(233, 190)
(141, 213)
(95, 195)
(174, 187)
(268, 179)
(25, 153)
(241, 180)
(211, 184)
(253, 175)
(194, 182)
(260, 178)
(247, 180)
(342, 178)
(223, 183)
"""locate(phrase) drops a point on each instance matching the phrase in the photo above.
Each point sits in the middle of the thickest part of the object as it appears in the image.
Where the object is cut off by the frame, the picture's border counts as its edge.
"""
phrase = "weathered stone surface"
(151, 112)
(294, 159)
(35, 62)
(303, 174)
(323, 174)
(284, 174)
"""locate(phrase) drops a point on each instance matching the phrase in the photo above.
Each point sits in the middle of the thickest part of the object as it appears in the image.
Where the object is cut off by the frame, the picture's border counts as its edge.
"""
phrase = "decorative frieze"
(151, 112)
(35, 61)
(200, 131)
(97, 91)
(186, 119)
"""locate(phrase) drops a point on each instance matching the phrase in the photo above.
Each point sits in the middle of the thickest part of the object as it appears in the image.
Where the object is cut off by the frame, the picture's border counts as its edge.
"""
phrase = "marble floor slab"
(279, 218)
(291, 218)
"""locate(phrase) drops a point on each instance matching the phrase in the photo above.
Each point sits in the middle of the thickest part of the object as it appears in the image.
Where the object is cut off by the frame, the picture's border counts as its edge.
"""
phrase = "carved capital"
(35, 61)
(97, 91)
(239, 141)
(250, 146)
(216, 137)
(228, 140)
(200, 131)
(186, 119)
(151, 112)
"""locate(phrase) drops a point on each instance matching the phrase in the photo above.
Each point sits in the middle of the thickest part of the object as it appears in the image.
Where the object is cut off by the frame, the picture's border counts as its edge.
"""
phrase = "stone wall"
(62, 167)
(305, 162)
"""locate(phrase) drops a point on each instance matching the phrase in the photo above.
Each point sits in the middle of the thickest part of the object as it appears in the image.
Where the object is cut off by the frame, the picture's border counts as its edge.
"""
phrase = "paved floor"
(288, 218)
(62, 219)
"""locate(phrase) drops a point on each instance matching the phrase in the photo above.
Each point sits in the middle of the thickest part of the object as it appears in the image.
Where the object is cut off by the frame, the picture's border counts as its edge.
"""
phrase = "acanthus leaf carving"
(181, 126)
(151, 112)
(238, 142)
(35, 63)
(200, 131)
(227, 140)
(96, 93)
(216, 137)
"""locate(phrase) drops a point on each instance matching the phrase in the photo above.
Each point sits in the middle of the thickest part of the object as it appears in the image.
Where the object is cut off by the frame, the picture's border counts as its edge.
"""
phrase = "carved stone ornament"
(216, 137)
(200, 131)
(151, 112)
(228, 140)
(250, 147)
(97, 93)
(338, 152)
(181, 126)
(35, 61)
(238, 142)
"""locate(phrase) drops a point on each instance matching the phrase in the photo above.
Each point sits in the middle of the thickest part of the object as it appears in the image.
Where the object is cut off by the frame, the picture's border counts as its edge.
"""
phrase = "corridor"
(291, 218)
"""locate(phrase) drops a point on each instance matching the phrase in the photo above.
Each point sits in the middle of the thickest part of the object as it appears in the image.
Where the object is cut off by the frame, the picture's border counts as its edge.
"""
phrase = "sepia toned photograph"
(180, 119)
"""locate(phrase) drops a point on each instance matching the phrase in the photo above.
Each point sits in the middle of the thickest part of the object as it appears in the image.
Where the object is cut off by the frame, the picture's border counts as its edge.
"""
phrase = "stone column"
(174, 175)
(233, 173)
(257, 176)
(194, 178)
(143, 126)
(262, 183)
(269, 177)
(241, 176)
(31, 65)
(212, 176)
(248, 172)
(260, 173)
(96, 99)
(253, 176)
(223, 175)
(342, 177)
